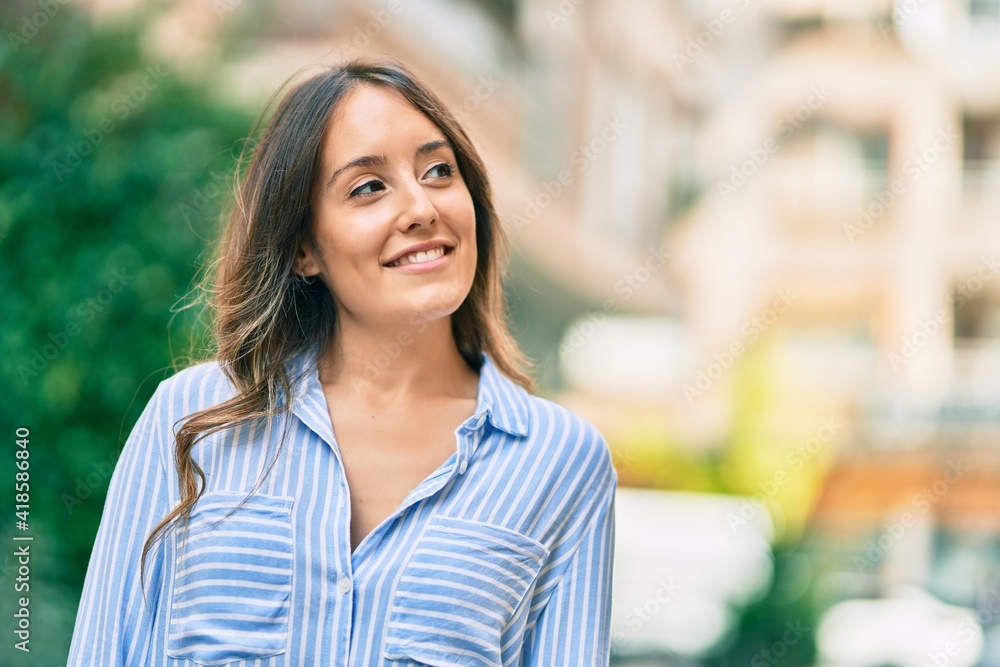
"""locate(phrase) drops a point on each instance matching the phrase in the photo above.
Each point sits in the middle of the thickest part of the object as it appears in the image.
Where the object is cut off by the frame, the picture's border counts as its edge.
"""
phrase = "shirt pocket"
(458, 592)
(234, 580)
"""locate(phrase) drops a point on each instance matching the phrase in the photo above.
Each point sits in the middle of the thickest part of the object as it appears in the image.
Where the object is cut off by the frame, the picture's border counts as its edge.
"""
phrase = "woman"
(362, 475)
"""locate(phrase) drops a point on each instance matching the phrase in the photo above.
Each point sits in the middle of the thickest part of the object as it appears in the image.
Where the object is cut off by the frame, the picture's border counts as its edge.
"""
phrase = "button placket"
(471, 428)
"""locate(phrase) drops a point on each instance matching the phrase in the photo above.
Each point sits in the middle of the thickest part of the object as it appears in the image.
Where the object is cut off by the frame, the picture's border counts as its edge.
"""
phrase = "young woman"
(362, 475)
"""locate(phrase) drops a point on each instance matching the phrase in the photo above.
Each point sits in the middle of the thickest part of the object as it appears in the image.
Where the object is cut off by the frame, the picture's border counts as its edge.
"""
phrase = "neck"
(391, 366)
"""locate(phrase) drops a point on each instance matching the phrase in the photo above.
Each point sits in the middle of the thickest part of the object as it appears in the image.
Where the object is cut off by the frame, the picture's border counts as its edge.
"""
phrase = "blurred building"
(824, 178)
(852, 168)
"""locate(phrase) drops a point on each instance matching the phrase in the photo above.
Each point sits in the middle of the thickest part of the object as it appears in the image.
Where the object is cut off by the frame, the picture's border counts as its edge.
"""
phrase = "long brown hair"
(264, 315)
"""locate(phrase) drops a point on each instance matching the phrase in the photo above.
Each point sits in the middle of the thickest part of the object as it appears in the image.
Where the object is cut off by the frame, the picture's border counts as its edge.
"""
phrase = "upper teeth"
(419, 257)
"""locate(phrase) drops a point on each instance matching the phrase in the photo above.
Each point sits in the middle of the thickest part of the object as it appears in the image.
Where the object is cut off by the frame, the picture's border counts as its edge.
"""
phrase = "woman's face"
(389, 182)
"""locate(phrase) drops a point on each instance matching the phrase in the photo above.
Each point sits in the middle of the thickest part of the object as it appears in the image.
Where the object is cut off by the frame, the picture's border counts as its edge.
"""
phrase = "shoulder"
(569, 439)
(192, 389)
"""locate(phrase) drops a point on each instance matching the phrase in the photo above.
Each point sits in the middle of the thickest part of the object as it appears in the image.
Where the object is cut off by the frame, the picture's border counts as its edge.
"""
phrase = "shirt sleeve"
(574, 627)
(114, 624)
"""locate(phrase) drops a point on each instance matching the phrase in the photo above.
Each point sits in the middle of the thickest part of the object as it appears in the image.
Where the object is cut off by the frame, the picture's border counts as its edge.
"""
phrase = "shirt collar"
(500, 400)
(504, 402)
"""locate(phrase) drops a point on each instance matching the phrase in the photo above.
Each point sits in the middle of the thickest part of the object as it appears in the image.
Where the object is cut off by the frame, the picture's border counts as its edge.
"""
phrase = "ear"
(307, 260)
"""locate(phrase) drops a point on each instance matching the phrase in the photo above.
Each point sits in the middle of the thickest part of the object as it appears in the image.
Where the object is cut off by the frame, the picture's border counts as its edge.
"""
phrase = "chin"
(440, 302)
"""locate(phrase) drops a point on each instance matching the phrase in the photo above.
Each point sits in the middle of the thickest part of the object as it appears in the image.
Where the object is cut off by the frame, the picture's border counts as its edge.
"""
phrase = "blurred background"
(756, 244)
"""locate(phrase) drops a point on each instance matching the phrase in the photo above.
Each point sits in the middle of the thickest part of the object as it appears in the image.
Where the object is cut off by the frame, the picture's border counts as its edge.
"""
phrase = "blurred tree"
(779, 630)
(766, 458)
(113, 170)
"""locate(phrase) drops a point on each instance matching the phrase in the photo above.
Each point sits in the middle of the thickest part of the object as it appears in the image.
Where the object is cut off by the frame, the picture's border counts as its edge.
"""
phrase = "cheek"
(469, 228)
(462, 213)
(350, 251)
(463, 217)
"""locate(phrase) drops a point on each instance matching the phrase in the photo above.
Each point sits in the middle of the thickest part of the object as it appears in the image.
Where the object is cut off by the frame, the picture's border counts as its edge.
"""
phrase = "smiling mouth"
(421, 257)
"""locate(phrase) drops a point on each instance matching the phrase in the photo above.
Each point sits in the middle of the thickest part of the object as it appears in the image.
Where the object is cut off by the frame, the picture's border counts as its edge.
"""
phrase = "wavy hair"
(264, 315)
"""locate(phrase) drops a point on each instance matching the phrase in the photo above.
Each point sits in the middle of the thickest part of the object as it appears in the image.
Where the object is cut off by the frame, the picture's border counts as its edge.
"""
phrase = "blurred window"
(504, 11)
(984, 11)
(976, 312)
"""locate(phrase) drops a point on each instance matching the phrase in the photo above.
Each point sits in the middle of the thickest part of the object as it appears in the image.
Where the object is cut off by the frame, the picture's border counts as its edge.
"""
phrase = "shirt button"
(344, 585)
(462, 467)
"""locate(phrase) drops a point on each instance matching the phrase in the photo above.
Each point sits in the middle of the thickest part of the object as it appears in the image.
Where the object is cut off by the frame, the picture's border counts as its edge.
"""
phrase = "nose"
(416, 207)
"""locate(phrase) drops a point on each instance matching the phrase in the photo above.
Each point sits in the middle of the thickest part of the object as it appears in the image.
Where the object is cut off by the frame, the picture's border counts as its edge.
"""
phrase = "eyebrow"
(379, 160)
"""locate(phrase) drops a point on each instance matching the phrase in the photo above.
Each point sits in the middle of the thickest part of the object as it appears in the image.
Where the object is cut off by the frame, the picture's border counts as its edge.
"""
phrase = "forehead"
(375, 120)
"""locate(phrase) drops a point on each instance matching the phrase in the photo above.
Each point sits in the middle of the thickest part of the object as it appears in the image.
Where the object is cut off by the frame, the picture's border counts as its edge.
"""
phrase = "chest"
(385, 457)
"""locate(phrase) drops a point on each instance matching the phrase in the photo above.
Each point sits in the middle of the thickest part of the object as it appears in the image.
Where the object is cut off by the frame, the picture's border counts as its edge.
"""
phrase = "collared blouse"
(501, 556)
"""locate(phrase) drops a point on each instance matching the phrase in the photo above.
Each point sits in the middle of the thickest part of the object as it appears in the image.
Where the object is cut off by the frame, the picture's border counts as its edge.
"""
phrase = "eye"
(367, 189)
(443, 169)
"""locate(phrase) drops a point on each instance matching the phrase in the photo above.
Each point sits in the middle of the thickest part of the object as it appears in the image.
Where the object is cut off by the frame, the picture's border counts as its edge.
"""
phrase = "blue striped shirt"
(501, 556)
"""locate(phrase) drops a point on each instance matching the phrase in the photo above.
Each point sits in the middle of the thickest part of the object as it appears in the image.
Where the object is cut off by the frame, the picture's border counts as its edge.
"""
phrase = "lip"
(424, 267)
(426, 245)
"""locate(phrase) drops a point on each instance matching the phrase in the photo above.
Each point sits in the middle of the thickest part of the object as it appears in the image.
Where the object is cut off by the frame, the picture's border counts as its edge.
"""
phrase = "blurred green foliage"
(113, 169)
(780, 628)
